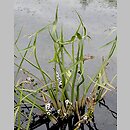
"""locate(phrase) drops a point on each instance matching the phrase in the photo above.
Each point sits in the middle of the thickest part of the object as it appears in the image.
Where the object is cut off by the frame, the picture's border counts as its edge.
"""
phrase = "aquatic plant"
(57, 101)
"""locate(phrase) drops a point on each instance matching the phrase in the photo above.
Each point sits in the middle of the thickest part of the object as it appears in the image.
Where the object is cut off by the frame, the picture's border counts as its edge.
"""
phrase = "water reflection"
(109, 3)
(112, 2)
(85, 3)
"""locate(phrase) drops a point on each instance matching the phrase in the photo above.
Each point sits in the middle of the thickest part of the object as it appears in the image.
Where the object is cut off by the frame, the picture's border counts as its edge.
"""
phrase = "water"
(99, 16)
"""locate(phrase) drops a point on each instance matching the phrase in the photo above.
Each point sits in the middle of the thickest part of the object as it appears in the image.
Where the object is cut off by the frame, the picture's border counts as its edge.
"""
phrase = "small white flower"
(58, 111)
(21, 69)
(48, 113)
(60, 82)
(57, 73)
(85, 118)
(65, 114)
(47, 106)
(28, 78)
(67, 102)
(50, 110)
(70, 103)
(59, 79)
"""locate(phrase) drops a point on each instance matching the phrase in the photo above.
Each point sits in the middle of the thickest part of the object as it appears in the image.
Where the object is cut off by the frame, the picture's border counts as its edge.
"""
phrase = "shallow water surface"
(99, 17)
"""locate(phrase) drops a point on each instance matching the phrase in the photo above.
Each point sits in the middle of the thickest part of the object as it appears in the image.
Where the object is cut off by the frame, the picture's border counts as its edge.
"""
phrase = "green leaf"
(79, 36)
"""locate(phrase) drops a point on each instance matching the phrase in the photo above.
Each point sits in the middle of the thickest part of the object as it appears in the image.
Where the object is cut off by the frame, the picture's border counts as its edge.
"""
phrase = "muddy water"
(99, 16)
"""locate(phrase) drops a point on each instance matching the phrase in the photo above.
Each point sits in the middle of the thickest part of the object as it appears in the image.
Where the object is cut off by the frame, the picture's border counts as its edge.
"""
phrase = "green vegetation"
(62, 99)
